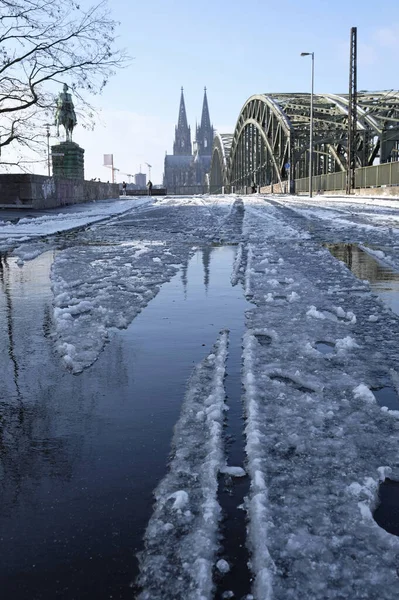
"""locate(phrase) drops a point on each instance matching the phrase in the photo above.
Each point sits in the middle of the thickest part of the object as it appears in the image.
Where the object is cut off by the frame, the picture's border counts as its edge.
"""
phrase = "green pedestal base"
(68, 160)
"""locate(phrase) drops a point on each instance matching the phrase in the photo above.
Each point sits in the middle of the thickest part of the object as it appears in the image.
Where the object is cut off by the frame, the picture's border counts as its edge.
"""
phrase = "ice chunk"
(180, 499)
(346, 343)
(223, 566)
(233, 471)
(313, 312)
(362, 392)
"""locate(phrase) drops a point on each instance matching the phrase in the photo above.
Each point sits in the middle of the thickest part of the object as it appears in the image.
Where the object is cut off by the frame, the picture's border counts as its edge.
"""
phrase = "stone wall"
(38, 191)
(275, 188)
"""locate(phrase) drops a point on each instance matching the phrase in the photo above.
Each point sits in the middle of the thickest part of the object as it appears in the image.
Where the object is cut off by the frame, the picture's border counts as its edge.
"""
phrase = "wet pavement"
(80, 461)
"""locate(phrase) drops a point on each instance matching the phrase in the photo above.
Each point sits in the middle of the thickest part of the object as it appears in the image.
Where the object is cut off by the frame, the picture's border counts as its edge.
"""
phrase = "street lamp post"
(48, 148)
(311, 126)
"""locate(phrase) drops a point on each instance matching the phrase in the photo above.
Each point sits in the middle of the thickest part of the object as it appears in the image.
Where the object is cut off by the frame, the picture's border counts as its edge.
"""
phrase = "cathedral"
(187, 166)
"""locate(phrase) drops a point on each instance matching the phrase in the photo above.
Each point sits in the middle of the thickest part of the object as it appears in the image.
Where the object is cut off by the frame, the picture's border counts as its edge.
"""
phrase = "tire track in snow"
(181, 540)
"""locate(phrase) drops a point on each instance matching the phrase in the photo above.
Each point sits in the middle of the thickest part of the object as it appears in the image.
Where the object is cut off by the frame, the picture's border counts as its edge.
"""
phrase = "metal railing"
(378, 175)
(386, 174)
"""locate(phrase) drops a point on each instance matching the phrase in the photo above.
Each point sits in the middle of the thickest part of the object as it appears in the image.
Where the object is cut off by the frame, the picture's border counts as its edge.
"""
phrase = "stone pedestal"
(68, 161)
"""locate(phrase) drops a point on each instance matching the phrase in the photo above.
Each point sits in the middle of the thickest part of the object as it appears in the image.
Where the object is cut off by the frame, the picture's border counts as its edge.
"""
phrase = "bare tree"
(43, 42)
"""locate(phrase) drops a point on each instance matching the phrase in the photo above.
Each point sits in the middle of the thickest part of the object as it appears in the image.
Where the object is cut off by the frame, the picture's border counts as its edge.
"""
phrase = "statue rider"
(65, 113)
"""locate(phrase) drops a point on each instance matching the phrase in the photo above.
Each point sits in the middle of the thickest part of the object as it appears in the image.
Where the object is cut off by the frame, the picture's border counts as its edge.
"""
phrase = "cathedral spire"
(205, 120)
(182, 144)
(204, 133)
(182, 121)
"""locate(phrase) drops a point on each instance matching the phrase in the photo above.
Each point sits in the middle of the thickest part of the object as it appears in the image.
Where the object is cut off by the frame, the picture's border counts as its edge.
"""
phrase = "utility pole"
(149, 171)
(352, 114)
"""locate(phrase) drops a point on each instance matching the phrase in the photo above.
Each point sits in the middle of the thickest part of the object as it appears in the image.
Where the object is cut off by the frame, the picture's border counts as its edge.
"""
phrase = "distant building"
(140, 180)
(185, 168)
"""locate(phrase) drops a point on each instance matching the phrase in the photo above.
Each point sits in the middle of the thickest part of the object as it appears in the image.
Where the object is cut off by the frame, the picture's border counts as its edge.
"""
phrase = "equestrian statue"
(65, 113)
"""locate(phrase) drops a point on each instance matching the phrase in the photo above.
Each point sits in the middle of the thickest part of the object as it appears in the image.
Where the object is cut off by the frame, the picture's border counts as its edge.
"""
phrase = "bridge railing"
(187, 190)
(378, 175)
(144, 192)
(386, 174)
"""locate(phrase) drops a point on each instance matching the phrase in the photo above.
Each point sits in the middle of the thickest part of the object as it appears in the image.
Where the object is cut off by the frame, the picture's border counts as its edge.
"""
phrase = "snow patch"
(362, 392)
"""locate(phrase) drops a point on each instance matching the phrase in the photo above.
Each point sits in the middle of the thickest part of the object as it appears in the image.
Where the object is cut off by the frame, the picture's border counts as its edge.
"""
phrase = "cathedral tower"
(182, 144)
(205, 132)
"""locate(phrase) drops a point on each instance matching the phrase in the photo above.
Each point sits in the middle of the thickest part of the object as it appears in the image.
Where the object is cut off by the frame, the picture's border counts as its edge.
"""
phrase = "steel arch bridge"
(270, 144)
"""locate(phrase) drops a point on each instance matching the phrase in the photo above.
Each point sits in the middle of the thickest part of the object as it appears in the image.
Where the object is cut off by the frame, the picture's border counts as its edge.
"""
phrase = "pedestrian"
(124, 187)
(149, 185)
(253, 188)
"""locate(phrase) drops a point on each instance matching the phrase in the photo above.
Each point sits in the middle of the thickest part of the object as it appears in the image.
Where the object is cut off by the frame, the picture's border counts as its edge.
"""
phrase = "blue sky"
(235, 48)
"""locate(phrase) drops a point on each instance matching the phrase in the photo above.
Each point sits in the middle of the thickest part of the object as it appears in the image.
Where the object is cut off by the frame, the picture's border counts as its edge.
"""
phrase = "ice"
(248, 271)
(293, 296)
(177, 562)
(223, 566)
(233, 471)
(181, 499)
(313, 312)
(237, 265)
(31, 250)
(364, 393)
(346, 343)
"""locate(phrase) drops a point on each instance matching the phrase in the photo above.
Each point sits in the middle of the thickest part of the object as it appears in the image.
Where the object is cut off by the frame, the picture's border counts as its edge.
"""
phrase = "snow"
(77, 216)
(99, 288)
(317, 443)
(346, 343)
(364, 393)
(316, 437)
(237, 265)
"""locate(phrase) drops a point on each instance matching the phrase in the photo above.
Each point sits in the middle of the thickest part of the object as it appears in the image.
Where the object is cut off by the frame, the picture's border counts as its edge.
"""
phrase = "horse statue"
(65, 113)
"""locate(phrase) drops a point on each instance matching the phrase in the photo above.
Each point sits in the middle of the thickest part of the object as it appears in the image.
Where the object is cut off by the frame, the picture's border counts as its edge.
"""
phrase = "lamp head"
(306, 53)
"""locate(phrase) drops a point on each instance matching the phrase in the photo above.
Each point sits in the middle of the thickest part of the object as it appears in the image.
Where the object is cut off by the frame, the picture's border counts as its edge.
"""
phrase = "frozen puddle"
(387, 396)
(184, 553)
(383, 280)
(325, 347)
